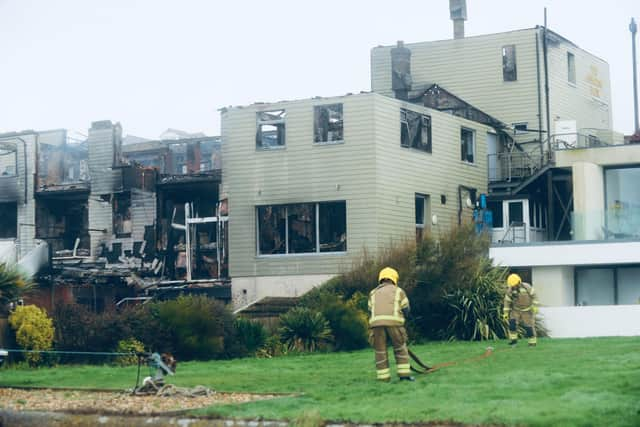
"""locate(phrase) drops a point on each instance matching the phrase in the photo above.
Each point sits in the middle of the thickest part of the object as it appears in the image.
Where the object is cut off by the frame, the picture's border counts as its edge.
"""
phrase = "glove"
(505, 315)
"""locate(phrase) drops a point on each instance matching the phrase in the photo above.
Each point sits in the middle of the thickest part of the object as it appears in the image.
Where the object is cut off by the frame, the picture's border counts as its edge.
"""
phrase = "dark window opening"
(467, 145)
(62, 223)
(496, 213)
(328, 123)
(271, 129)
(520, 128)
(8, 220)
(415, 130)
(571, 67)
(516, 214)
(333, 226)
(423, 216)
(301, 220)
(509, 63)
(272, 229)
(122, 224)
(302, 228)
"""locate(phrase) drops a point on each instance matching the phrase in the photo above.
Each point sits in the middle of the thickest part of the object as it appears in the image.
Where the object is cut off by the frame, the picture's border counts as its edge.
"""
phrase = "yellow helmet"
(513, 280)
(388, 273)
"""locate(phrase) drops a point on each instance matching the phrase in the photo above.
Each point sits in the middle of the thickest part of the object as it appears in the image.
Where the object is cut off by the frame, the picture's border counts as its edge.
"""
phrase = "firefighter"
(389, 305)
(520, 307)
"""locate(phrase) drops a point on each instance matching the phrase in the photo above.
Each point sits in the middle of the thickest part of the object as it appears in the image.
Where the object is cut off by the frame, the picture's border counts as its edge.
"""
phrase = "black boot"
(407, 378)
(513, 342)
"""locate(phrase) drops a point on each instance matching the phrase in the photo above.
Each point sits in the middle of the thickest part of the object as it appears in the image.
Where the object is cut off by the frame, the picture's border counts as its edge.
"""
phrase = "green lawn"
(587, 382)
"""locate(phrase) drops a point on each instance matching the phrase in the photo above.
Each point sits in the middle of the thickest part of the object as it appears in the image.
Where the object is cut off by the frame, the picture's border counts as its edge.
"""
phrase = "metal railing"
(515, 165)
(515, 233)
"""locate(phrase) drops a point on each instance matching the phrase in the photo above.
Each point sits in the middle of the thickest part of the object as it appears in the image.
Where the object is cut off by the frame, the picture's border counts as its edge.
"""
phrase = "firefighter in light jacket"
(388, 306)
(520, 308)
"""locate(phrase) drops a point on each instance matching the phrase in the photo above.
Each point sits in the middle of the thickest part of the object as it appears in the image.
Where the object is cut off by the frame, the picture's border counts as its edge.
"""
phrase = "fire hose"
(419, 367)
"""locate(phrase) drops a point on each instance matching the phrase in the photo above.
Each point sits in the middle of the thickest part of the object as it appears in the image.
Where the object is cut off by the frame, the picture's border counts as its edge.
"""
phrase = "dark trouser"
(527, 320)
(398, 337)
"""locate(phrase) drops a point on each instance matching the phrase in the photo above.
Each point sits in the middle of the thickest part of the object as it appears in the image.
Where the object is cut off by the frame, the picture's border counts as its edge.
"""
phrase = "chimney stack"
(458, 13)
(401, 71)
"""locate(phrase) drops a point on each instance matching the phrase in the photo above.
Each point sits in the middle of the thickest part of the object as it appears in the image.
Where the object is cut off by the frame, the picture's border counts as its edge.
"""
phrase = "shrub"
(130, 345)
(273, 347)
(34, 330)
(250, 336)
(199, 326)
(347, 322)
(304, 330)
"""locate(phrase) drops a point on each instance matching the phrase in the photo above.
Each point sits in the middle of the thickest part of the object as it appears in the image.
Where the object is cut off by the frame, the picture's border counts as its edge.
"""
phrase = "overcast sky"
(154, 64)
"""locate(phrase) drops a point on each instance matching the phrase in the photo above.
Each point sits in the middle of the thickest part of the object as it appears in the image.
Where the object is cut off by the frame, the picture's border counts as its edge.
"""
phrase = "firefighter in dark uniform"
(388, 306)
(520, 307)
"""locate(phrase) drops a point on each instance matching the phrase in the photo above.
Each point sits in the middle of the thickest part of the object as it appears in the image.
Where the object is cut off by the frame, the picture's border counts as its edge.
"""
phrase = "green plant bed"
(560, 382)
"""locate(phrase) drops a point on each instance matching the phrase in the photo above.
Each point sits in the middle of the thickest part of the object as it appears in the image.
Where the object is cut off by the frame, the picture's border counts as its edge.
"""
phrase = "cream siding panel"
(471, 68)
(403, 172)
(577, 102)
(302, 172)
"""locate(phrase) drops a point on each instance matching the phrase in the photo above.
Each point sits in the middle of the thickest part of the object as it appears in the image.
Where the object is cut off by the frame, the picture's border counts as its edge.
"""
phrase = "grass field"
(587, 382)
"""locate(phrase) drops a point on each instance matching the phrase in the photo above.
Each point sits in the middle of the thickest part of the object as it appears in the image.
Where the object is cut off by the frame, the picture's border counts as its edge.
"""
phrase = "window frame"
(316, 110)
(571, 68)
(425, 120)
(317, 250)
(616, 268)
(473, 145)
(509, 75)
(280, 124)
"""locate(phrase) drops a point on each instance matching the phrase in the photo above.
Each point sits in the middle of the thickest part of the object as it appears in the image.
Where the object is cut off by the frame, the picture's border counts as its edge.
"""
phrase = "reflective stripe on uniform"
(387, 317)
(383, 374)
(397, 315)
(404, 368)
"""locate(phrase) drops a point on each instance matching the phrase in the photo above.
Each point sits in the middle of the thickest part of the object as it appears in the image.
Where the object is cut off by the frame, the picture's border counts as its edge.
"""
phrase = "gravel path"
(112, 402)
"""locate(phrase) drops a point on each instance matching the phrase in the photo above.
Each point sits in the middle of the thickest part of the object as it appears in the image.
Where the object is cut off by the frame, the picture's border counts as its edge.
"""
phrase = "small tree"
(12, 284)
(34, 330)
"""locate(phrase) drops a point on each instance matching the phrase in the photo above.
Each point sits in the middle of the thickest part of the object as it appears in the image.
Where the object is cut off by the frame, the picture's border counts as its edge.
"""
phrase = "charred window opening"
(571, 68)
(467, 145)
(415, 130)
(328, 123)
(272, 229)
(509, 73)
(302, 228)
(122, 224)
(333, 226)
(270, 129)
(64, 224)
(8, 220)
(8, 160)
(62, 163)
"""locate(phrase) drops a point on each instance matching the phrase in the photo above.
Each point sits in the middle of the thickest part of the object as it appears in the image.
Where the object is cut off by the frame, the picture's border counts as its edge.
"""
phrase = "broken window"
(122, 224)
(328, 123)
(467, 145)
(332, 217)
(270, 129)
(571, 67)
(272, 230)
(302, 228)
(509, 63)
(8, 159)
(8, 220)
(415, 130)
(422, 202)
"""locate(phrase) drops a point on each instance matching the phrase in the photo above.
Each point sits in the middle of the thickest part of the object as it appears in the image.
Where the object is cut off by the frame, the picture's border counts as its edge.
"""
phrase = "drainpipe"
(546, 79)
(634, 28)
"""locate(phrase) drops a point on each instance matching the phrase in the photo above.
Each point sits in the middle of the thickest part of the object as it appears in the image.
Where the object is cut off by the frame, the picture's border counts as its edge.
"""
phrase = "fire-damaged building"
(99, 223)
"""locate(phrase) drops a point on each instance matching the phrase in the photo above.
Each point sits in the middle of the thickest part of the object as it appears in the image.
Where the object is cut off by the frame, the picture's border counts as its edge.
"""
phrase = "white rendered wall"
(570, 253)
(247, 290)
(554, 285)
(592, 321)
(588, 201)
(8, 251)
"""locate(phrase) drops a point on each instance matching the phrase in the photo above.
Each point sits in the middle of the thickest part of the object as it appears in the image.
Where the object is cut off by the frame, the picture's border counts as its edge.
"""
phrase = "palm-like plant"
(476, 309)
(12, 284)
(304, 330)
